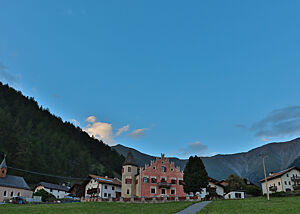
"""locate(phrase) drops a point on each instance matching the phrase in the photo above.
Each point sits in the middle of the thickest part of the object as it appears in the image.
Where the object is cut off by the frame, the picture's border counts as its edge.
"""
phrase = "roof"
(53, 186)
(215, 182)
(14, 182)
(3, 164)
(129, 160)
(105, 180)
(278, 174)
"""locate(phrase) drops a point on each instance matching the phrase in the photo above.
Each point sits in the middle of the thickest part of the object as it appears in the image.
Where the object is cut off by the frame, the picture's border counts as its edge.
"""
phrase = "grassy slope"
(254, 205)
(94, 207)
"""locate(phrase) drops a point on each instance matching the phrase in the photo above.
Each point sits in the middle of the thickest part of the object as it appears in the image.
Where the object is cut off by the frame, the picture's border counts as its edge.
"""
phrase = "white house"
(102, 187)
(283, 181)
(235, 195)
(212, 183)
(58, 191)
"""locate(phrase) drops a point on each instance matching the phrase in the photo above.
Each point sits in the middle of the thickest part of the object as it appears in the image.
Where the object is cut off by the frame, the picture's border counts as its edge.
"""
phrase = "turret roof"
(3, 164)
(129, 160)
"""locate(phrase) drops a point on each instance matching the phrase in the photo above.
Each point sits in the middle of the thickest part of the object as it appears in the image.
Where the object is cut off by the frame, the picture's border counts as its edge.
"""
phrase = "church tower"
(3, 169)
(129, 172)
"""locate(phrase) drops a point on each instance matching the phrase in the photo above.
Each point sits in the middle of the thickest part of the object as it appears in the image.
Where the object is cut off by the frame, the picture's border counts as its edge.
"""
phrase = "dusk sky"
(176, 77)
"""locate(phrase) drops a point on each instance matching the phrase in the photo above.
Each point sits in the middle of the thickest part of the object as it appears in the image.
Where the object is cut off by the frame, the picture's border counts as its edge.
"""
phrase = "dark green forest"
(34, 139)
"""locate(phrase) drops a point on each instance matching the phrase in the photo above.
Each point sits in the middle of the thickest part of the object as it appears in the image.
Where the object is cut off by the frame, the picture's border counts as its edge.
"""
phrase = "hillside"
(248, 164)
(34, 139)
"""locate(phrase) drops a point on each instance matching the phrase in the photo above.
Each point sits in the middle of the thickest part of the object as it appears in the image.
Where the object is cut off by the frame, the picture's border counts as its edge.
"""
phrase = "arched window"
(18, 193)
(11, 194)
(4, 194)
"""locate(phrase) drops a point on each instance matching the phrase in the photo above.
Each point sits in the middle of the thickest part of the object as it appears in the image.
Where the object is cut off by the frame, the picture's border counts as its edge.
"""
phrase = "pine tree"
(195, 176)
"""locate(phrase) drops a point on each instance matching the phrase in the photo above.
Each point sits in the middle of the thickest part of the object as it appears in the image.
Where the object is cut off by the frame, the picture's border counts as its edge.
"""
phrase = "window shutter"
(130, 181)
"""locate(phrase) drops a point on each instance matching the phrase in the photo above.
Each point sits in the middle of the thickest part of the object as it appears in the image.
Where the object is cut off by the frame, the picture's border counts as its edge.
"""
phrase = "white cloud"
(75, 122)
(138, 133)
(194, 148)
(91, 119)
(123, 129)
(101, 131)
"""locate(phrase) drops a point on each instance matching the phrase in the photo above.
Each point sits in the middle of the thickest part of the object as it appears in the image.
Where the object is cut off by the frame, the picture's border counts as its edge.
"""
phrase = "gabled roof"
(215, 182)
(14, 182)
(129, 160)
(278, 174)
(105, 180)
(3, 164)
(53, 186)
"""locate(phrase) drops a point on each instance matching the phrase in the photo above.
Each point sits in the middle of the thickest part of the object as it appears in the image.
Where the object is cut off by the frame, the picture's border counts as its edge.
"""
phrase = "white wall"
(106, 190)
(232, 195)
(57, 193)
(219, 189)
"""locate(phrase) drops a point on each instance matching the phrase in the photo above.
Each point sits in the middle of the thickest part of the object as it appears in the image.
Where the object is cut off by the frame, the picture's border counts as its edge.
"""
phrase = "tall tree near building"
(195, 176)
(235, 183)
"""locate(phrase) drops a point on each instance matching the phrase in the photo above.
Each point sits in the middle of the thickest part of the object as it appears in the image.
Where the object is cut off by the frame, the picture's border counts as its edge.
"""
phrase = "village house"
(160, 178)
(220, 189)
(283, 181)
(12, 186)
(102, 187)
(235, 195)
(59, 191)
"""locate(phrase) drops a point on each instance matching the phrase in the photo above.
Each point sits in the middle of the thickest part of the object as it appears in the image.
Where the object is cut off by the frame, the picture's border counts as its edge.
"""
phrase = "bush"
(46, 196)
(253, 190)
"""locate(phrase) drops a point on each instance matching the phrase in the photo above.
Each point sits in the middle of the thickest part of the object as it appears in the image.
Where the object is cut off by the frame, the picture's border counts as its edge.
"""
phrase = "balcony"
(273, 188)
(93, 191)
(296, 179)
(296, 187)
(164, 185)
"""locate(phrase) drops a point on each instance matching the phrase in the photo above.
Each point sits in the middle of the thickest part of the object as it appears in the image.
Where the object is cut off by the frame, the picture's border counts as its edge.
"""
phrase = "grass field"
(95, 207)
(290, 205)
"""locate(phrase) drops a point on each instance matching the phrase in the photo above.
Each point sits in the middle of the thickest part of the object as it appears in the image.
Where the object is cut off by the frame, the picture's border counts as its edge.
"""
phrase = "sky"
(176, 77)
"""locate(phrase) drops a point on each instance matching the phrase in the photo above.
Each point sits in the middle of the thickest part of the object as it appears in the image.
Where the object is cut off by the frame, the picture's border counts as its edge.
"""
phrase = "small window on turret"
(129, 169)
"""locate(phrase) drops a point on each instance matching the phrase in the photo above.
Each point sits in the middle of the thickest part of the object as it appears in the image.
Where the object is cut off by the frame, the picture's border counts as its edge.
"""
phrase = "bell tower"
(3, 169)
(129, 172)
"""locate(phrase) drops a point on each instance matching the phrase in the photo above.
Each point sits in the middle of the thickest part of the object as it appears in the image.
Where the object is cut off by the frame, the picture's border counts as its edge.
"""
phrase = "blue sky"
(174, 77)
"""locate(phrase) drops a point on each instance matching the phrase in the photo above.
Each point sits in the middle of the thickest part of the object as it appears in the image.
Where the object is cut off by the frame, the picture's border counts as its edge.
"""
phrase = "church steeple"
(3, 168)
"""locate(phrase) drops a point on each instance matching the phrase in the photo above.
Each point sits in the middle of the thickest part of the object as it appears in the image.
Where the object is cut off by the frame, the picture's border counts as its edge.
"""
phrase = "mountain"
(36, 140)
(279, 156)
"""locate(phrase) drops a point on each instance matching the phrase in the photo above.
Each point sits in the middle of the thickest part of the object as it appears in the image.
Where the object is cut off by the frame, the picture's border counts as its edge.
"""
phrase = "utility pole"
(266, 181)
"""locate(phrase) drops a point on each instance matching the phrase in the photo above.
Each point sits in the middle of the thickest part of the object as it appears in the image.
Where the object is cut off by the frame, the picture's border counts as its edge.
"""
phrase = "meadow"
(258, 205)
(95, 207)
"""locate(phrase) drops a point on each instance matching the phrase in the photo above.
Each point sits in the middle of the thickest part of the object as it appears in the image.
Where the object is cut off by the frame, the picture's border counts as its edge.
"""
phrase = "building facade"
(283, 181)
(12, 186)
(59, 191)
(160, 178)
(101, 187)
(220, 189)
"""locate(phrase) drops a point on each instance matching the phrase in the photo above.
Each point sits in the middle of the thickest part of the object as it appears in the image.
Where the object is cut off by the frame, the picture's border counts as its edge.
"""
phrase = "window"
(154, 167)
(172, 169)
(19, 194)
(163, 169)
(285, 183)
(173, 181)
(128, 192)
(145, 179)
(109, 195)
(4, 194)
(163, 191)
(163, 180)
(153, 180)
(127, 181)
(105, 187)
(238, 195)
(105, 194)
(287, 175)
(11, 194)
(180, 182)
(162, 162)
(278, 183)
(173, 191)
(57, 196)
(289, 183)
(112, 188)
(152, 190)
(129, 169)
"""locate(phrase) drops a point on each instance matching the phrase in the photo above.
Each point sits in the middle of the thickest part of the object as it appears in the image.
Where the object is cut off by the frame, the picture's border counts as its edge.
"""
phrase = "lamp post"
(266, 181)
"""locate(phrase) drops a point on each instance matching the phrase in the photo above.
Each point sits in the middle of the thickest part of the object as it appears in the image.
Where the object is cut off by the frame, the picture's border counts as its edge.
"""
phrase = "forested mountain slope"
(279, 156)
(34, 139)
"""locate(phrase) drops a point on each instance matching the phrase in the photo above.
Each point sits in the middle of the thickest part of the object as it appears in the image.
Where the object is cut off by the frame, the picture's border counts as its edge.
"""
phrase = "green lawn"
(95, 207)
(254, 205)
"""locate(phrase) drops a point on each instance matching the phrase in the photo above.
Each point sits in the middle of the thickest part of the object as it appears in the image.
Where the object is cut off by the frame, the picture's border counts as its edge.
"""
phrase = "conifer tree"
(195, 176)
